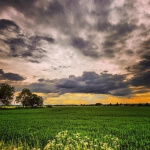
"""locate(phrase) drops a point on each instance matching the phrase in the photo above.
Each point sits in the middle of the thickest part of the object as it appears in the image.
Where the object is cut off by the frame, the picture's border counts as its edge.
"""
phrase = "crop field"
(78, 127)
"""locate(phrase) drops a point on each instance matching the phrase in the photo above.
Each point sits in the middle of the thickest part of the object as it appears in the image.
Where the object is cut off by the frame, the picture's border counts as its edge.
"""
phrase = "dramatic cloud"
(10, 76)
(49, 40)
(85, 47)
(89, 82)
(141, 72)
(21, 45)
(7, 24)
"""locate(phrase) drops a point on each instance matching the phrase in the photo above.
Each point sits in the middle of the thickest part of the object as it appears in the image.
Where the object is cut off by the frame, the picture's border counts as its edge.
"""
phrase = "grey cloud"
(141, 91)
(36, 39)
(79, 43)
(102, 10)
(55, 8)
(86, 47)
(105, 26)
(89, 82)
(34, 61)
(109, 53)
(129, 52)
(27, 54)
(57, 14)
(118, 34)
(141, 66)
(122, 92)
(22, 6)
(45, 87)
(14, 43)
(22, 45)
(122, 29)
(7, 24)
(142, 79)
(141, 71)
(10, 76)
(145, 45)
(41, 80)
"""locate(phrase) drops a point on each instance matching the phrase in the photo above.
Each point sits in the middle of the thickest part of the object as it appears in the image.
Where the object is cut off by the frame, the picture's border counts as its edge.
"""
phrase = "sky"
(77, 51)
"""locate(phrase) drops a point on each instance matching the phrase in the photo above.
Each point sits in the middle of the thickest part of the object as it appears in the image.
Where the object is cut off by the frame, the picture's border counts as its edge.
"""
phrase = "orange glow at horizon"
(82, 98)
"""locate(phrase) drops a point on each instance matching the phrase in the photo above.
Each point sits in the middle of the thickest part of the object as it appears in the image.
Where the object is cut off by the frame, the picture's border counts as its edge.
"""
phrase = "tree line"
(25, 97)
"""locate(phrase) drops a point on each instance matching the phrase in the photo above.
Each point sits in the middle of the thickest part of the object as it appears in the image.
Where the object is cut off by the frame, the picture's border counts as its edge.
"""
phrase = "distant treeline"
(100, 104)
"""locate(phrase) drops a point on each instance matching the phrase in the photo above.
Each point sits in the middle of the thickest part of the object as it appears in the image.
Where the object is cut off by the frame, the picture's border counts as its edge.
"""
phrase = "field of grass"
(35, 127)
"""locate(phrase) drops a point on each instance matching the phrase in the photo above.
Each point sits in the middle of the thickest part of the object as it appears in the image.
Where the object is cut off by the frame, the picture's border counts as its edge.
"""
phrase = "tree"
(28, 99)
(35, 100)
(6, 93)
(24, 96)
(98, 104)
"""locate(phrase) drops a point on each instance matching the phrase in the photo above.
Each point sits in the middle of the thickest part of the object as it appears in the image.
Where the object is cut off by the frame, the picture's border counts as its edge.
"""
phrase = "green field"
(34, 127)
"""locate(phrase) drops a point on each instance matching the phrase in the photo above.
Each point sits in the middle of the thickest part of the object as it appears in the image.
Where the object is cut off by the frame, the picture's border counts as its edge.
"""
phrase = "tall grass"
(64, 141)
(34, 127)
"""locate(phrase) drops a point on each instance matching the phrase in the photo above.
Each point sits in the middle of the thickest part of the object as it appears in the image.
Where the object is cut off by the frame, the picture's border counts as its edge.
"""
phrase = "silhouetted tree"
(28, 99)
(35, 100)
(98, 104)
(116, 104)
(24, 97)
(6, 93)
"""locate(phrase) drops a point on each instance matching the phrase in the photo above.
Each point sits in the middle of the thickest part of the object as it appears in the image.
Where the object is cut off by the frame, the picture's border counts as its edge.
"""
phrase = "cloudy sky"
(77, 51)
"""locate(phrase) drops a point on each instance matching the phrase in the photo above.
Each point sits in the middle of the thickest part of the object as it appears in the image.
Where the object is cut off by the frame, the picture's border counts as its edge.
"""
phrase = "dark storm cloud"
(89, 82)
(53, 14)
(115, 33)
(21, 45)
(43, 12)
(41, 80)
(141, 91)
(142, 79)
(118, 35)
(54, 8)
(143, 65)
(121, 30)
(140, 67)
(102, 13)
(23, 6)
(145, 45)
(122, 92)
(34, 61)
(57, 14)
(7, 24)
(141, 70)
(109, 53)
(105, 26)
(14, 42)
(10, 76)
(129, 52)
(86, 47)
(89, 46)
(24, 47)
(36, 39)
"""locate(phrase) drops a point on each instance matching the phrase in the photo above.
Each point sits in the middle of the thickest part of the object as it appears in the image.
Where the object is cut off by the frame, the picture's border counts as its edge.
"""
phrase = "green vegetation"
(35, 127)
(6, 93)
(28, 99)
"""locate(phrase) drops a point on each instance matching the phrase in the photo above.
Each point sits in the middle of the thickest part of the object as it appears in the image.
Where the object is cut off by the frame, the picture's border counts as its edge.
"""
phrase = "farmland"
(34, 127)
